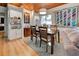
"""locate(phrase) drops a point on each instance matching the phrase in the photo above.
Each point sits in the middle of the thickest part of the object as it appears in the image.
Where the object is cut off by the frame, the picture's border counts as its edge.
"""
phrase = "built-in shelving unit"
(14, 22)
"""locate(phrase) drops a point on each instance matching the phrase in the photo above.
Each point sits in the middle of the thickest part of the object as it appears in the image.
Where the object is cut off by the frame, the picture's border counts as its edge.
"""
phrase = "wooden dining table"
(51, 33)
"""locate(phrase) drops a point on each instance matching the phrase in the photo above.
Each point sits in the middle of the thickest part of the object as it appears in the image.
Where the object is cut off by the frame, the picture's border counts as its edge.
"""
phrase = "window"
(46, 19)
(43, 20)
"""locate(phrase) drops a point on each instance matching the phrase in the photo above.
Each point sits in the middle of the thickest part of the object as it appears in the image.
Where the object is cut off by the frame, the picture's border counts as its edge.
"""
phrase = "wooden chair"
(56, 31)
(43, 36)
(33, 33)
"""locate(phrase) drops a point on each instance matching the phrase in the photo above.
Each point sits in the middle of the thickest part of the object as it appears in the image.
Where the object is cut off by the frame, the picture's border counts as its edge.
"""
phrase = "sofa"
(70, 40)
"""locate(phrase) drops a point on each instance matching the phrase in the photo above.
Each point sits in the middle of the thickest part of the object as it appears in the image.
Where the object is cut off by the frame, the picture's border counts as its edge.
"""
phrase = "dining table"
(51, 33)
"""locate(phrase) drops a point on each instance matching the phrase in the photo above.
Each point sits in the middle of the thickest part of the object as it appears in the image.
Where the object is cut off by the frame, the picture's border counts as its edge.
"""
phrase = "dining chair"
(33, 33)
(43, 36)
(56, 31)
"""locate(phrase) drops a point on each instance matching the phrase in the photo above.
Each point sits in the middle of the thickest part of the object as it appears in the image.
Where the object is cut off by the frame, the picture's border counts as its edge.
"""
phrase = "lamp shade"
(42, 11)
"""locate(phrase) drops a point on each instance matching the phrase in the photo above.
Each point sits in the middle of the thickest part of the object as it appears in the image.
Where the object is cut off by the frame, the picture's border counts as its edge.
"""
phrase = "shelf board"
(1, 24)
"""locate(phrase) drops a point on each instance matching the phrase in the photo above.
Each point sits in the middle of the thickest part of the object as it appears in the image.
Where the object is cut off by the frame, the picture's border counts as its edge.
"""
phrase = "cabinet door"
(12, 34)
(19, 33)
(27, 32)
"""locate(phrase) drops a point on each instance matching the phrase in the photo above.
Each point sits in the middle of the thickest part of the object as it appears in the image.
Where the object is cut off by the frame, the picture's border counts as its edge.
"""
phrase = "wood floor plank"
(5, 48)
(30, 51)
(1, 47)
(24, 49)
(11, 49)
(15, 48)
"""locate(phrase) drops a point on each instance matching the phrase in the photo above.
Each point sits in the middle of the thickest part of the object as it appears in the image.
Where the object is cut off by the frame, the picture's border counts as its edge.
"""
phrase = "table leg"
(52, 43)
(58, 37)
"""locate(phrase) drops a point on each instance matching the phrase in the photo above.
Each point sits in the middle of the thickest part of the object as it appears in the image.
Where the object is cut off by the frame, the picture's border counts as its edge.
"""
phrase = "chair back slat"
(43, 32)
(54, 28)
(33, 30)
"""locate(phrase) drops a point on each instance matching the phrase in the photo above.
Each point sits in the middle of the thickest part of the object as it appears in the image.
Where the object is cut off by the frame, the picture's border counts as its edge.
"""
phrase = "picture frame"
(26, 18)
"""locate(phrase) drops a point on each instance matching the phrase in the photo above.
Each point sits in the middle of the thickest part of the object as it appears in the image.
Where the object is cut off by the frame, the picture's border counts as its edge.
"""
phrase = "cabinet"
(15, 34)
(1, 34)
(14, 22)
(27, 32)
(19, 33)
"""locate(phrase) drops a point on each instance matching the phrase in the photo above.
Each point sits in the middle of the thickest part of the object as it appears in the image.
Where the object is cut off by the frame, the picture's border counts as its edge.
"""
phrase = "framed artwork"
(78, 16)
(61, 18)
(74, 16)
(64, 17)
(57, 18)
(26, 18)
(69, 17)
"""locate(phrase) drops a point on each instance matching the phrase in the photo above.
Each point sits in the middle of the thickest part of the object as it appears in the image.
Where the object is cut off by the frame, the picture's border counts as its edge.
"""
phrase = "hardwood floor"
(15, 48)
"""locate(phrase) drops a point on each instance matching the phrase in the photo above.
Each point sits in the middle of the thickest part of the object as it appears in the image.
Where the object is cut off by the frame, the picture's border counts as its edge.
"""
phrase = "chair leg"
(46, 47)
(55, 37)
(58, 37)
(36, 41)
(40, 42)
(32, 38)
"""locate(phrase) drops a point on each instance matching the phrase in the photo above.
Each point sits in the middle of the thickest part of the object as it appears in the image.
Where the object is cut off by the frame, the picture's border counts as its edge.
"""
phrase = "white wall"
(34, 17)
(37, 20)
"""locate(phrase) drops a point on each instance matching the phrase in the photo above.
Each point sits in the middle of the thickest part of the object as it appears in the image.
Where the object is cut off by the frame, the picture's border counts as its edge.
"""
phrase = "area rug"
(58, 48)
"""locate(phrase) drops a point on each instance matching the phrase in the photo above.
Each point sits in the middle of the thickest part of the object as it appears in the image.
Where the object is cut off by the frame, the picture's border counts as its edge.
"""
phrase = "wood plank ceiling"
(36, 6)
(3, 4)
